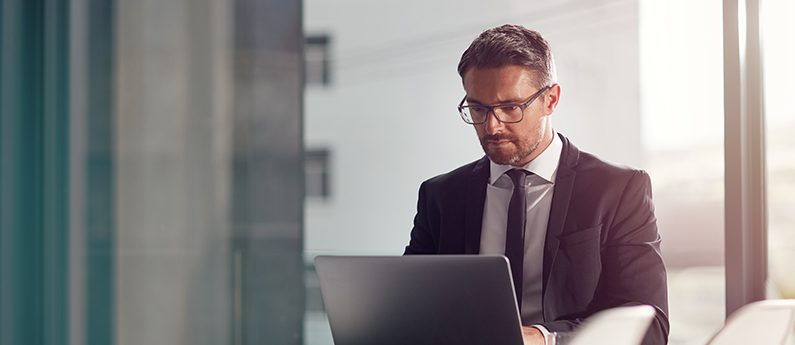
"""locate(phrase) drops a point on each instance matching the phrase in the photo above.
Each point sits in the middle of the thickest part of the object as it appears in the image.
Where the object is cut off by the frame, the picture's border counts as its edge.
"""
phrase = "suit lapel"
(473, 208)
(564, 185)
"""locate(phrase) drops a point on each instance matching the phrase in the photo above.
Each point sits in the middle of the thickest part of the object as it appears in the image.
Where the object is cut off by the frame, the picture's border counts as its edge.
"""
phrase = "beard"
(515, 153)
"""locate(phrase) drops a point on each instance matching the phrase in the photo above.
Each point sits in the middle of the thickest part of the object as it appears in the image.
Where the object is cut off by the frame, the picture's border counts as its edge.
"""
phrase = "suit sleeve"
(633, 272)
(423, 240)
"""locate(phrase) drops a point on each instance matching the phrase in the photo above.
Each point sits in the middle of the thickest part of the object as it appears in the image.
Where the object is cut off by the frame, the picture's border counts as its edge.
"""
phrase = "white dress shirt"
(539, 188)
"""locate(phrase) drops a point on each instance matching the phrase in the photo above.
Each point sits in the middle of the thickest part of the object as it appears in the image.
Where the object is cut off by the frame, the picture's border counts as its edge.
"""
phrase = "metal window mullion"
(745, 204)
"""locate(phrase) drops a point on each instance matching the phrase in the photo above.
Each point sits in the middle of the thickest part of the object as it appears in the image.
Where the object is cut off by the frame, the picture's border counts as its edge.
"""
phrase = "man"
(580, 234)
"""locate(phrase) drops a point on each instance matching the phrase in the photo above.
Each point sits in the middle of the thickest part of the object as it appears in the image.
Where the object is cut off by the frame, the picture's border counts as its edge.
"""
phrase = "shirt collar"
(544, 166)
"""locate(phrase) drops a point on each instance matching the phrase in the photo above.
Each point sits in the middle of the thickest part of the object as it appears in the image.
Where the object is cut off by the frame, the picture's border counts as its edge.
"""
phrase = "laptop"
(419, 299)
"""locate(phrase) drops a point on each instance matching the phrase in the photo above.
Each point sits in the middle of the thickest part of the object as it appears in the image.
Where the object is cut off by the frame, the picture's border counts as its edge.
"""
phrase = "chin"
(502, 158)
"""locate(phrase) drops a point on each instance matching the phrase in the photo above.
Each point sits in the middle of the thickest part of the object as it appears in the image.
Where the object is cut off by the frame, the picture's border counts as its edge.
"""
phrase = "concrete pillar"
(268, 187)
(173, 129)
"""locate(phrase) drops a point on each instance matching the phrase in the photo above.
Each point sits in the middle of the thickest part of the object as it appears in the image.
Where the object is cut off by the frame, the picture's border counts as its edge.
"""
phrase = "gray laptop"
(416, 300)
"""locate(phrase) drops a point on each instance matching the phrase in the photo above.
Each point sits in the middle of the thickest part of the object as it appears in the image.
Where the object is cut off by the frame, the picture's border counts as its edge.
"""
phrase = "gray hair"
(510, 45)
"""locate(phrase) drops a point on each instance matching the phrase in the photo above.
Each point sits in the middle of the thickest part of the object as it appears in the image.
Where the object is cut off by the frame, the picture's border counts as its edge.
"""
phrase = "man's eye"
(509, 108)
(477, 110)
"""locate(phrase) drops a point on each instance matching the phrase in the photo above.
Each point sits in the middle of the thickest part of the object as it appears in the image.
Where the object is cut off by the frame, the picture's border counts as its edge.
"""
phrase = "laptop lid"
(419, 299)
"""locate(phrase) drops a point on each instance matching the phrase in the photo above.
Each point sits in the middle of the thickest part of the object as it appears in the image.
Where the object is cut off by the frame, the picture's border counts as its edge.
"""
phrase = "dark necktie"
(514, 234)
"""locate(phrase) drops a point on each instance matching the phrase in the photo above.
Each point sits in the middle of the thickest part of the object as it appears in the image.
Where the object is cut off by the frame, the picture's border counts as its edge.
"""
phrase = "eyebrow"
(472, 100)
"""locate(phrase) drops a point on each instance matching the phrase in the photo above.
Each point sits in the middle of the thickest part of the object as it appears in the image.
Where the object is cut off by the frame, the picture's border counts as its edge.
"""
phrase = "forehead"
(506, 83)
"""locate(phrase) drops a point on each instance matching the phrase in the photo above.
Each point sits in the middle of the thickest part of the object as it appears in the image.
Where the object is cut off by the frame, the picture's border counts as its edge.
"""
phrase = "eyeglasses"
(477, 114)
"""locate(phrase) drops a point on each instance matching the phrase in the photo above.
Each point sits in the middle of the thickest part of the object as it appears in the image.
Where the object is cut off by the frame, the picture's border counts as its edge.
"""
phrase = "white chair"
(764, 322)
(616, 326)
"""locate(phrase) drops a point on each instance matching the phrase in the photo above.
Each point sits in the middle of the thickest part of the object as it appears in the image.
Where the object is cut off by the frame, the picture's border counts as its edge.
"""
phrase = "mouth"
(498, 142)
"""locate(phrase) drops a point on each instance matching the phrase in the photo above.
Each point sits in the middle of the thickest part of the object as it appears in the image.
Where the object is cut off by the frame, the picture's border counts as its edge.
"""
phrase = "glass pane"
(682, 112)
(778, 54)
(189, 169)
(637, 90)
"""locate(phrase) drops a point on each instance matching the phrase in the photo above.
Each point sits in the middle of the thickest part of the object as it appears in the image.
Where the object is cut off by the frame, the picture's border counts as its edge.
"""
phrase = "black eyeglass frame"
(490, 108)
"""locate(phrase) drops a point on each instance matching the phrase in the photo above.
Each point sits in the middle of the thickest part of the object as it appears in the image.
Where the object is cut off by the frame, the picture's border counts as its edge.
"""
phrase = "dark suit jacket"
(602, 247)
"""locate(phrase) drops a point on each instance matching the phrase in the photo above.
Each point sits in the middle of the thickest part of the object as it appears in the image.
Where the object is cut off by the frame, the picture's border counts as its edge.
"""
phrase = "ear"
(551, 99)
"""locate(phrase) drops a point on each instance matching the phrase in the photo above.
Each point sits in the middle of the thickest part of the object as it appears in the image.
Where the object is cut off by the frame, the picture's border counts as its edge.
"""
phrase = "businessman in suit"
(580, 233)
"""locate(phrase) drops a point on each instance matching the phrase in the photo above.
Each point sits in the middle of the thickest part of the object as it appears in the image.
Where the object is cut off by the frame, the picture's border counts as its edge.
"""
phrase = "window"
(316, 164)
(317, 55)
(780, 121)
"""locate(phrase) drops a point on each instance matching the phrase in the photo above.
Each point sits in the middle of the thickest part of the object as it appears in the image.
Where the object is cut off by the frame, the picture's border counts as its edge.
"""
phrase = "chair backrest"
(764, 322)
(616, 326)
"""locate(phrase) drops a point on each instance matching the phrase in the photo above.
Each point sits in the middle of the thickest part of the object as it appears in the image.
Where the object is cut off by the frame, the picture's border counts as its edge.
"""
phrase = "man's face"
(511, 143)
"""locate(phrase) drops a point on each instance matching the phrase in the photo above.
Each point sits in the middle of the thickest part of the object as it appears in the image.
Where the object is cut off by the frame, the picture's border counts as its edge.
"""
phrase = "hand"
(532, 336)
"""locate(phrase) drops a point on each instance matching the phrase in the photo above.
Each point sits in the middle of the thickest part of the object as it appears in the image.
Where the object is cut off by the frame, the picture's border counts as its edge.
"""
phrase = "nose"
(492, 125)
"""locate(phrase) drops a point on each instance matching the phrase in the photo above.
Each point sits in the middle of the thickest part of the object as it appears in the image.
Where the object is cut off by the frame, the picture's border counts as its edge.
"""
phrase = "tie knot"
(517, 176)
